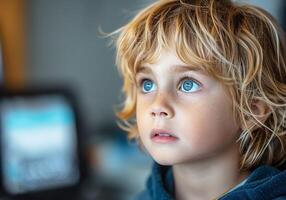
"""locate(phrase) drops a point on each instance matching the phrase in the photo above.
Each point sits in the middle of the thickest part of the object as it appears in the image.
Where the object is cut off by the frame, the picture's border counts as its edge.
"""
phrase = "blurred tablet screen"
(39, 143)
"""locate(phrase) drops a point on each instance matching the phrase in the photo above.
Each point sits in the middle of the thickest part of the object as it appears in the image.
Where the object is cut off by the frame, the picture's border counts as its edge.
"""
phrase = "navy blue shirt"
(264, 183)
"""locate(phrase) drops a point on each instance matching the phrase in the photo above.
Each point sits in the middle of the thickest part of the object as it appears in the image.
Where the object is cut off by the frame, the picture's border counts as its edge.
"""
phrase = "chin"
(171, 160)
(165, 160)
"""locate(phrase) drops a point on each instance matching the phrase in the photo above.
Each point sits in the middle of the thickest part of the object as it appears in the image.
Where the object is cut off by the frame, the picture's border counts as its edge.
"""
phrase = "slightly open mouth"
(160, 136)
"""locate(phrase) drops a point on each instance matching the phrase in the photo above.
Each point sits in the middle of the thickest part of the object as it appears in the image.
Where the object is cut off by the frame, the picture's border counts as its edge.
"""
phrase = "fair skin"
(185, 119)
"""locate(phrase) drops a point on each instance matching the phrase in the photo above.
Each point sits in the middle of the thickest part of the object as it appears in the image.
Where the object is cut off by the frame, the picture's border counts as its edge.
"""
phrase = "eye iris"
(187, 85)
(147, 86)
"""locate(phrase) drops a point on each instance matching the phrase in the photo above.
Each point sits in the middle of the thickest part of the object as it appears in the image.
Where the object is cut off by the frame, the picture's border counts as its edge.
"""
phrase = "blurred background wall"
(60, 45)
(65, 47)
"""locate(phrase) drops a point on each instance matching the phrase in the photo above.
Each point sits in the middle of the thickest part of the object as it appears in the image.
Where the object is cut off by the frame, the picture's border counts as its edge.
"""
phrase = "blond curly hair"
(240, 45)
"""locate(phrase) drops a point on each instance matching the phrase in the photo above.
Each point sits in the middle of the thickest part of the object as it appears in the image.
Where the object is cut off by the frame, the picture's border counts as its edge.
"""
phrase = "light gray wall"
(273, 6)
(66, 48)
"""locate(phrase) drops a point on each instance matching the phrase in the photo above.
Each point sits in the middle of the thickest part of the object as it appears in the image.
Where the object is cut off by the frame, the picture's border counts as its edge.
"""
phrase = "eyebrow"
(144, 69)
(183, 68)
(175, 68)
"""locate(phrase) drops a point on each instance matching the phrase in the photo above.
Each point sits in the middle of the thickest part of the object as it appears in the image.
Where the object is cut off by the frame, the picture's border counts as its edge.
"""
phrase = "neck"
(209, 178)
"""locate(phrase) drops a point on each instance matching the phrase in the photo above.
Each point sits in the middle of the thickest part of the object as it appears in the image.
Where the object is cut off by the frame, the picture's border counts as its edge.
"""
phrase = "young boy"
(205, 88)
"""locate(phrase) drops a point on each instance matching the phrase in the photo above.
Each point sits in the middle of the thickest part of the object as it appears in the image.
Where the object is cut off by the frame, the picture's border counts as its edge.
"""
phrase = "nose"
(161, 107)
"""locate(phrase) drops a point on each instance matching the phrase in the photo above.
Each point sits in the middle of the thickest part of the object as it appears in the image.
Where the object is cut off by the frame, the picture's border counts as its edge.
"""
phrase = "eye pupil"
(187, 85)
(147, 85)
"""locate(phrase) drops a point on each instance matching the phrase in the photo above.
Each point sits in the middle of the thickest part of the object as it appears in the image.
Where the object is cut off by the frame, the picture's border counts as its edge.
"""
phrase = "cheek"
(208, 124)
(141, 115)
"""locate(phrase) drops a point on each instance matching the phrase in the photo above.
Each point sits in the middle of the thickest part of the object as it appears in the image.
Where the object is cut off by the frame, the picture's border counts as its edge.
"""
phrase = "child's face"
(182, 115)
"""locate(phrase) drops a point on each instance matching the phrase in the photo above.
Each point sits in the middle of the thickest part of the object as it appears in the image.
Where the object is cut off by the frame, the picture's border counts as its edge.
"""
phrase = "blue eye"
(189, 85)
(148, 86)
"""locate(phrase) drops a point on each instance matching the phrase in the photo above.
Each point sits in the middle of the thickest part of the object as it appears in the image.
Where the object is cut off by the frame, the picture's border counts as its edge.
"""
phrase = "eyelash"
(186, 77)
(140, 82)
(181, 80)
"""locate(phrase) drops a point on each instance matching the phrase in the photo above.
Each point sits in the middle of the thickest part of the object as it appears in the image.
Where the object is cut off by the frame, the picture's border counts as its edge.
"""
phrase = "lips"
(163, 136)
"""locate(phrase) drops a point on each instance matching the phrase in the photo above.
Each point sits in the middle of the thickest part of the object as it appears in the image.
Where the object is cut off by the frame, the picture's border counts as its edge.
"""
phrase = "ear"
(261, 111)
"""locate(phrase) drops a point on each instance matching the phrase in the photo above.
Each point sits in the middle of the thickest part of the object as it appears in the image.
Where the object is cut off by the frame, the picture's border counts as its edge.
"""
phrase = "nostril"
(163, 114)
(159, 113)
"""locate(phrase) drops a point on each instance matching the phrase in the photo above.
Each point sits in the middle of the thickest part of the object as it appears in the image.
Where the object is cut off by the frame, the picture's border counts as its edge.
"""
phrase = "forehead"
(167, 60)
